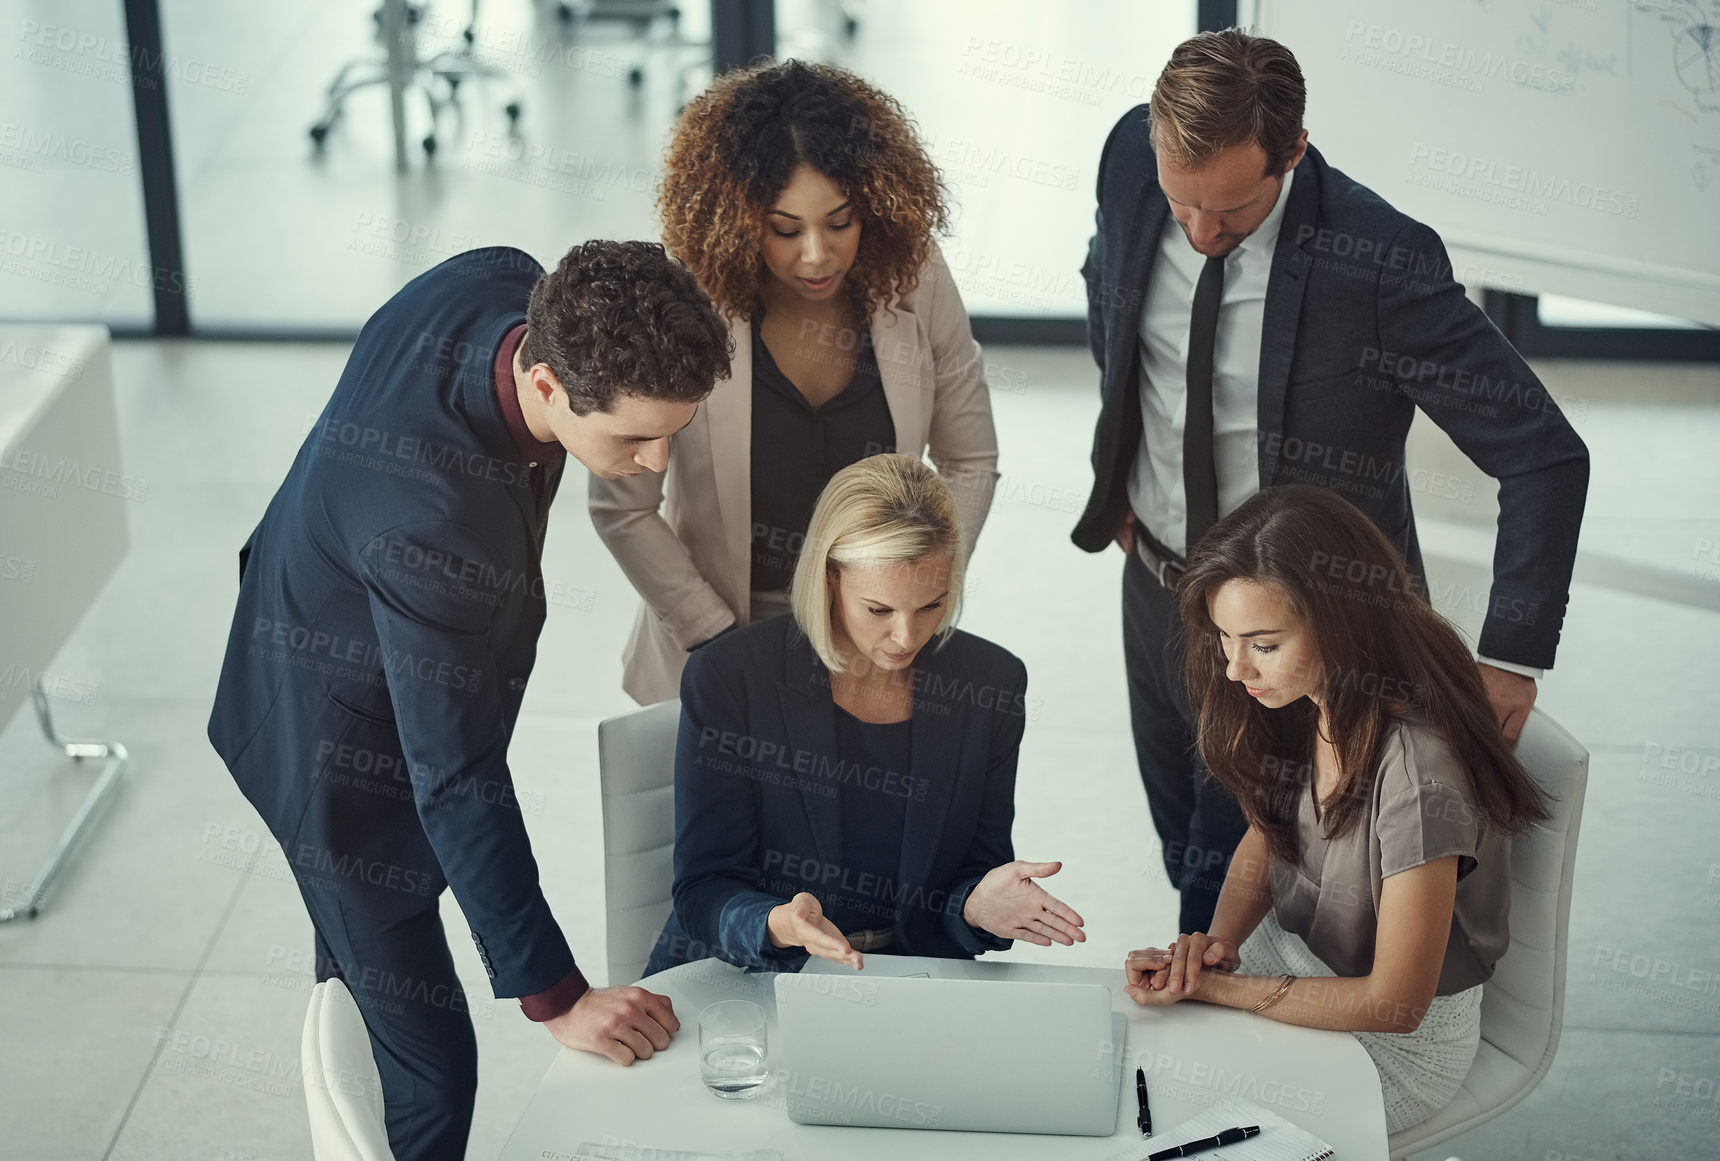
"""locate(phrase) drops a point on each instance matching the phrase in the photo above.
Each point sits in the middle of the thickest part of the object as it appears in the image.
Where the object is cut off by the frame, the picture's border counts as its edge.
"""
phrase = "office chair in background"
(450, 66)
(436, 78)
(656, 24)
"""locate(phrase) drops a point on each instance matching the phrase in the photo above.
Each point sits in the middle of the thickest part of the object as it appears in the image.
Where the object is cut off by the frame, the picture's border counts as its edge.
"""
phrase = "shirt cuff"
(769, 956)
(1513, 667)
(556, 1001)
(697, 619)
(743, 935)
(729, 628)
(976, 940)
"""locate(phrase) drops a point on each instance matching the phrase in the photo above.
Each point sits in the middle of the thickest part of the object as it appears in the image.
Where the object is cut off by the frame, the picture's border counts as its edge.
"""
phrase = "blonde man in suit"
(806, 206)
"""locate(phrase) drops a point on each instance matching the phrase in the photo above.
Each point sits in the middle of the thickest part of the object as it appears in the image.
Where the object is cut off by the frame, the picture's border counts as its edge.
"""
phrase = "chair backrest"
(343, 1090)
(1522, 1006)
(636, 761)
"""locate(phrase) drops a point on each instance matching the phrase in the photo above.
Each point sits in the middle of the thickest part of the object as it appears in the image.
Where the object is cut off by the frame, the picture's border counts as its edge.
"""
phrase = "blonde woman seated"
(845, 776)
(1371, 891)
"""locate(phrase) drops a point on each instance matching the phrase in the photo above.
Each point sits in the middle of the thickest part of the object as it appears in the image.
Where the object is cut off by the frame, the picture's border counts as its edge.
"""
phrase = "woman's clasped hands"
(1161, 976)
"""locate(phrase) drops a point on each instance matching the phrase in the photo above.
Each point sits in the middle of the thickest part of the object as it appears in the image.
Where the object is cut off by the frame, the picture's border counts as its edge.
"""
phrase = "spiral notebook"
(1279, 1140)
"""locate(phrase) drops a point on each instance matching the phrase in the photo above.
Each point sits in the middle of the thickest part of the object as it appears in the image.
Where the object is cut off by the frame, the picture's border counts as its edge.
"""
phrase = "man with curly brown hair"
(389, 608)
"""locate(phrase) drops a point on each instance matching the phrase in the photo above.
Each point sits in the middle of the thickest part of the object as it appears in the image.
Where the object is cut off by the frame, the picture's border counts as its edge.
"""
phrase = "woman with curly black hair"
(803, 201)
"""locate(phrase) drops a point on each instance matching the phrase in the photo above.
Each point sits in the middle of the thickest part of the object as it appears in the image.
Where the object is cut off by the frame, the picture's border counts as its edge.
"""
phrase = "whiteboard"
(1014, 100)
(1562, 146)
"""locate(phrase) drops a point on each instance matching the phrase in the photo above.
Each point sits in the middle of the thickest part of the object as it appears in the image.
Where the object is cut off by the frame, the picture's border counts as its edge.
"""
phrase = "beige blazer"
(684, 537)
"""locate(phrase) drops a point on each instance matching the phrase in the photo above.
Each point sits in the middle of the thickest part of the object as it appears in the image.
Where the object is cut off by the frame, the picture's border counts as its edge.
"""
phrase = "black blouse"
(873, 797)
(795, 451)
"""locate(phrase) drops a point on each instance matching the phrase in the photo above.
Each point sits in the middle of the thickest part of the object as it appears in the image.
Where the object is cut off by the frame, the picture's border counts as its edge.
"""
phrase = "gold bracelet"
(1274, 997)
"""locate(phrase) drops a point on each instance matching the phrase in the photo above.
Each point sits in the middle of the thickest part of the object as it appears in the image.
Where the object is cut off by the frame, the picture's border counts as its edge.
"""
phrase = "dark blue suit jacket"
(757, 817)
(389, 609)
(1363, 324)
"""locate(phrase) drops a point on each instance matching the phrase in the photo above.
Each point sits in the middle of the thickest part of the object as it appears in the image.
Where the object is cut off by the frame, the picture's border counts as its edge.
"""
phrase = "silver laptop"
(981, 1055)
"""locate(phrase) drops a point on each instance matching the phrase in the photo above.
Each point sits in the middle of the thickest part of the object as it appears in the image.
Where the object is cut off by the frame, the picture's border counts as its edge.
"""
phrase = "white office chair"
(1523, 1005)
(636, 762)
(342, 1087)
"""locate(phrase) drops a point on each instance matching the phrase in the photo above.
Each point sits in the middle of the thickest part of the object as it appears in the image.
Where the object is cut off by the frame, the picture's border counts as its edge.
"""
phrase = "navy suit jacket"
(757, 818)
(389, 609)
(1363, 324)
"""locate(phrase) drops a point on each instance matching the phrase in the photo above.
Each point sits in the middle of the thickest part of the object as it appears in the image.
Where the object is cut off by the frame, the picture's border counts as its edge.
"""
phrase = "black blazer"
(756, 814)
(1363, 324)
(389, 609)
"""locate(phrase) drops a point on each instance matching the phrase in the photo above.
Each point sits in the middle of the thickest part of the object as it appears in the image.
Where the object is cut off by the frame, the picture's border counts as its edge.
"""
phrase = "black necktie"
(1200, 474)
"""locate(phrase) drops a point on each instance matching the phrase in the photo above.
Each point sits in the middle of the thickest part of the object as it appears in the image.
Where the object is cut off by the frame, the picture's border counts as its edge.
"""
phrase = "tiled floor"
(154, 1011)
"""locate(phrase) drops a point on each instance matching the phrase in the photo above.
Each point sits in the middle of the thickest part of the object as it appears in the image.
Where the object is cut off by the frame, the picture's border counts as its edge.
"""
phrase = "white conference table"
(1193, 1055)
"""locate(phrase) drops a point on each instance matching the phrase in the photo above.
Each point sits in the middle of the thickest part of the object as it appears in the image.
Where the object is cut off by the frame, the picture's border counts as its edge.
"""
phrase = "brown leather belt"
(872, 940)
(1166, 566)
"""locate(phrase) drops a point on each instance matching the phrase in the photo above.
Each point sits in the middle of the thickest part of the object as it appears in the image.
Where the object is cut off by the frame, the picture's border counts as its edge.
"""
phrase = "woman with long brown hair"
(1371, 891)
(803, 200)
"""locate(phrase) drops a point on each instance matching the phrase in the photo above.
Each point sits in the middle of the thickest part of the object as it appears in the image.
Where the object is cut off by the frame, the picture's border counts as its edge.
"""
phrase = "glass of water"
(732, 1049)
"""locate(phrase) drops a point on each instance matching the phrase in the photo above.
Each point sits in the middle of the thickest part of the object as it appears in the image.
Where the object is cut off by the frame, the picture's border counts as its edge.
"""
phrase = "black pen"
(1144, 1118)
(1228, 1137)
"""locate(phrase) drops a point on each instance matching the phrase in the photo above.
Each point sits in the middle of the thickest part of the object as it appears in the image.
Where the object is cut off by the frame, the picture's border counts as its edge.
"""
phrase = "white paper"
(1279, 1140)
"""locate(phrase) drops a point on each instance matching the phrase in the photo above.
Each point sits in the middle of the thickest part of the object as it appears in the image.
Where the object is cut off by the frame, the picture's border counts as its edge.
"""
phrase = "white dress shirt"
(1156, 480)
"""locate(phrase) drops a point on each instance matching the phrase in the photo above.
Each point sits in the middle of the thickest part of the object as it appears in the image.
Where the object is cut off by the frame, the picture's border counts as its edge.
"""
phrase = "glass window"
(1015, 99)
(281, 231)
(72, 241)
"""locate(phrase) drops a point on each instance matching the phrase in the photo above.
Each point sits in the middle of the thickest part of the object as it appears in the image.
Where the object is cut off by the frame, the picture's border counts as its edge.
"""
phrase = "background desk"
(1193, 1053)
(63, 493)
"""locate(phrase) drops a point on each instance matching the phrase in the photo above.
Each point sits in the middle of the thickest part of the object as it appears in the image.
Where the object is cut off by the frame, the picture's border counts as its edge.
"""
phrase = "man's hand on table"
(624, 1024)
